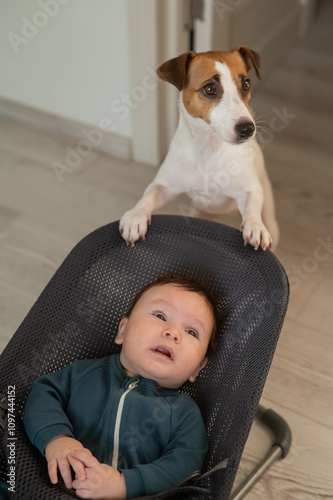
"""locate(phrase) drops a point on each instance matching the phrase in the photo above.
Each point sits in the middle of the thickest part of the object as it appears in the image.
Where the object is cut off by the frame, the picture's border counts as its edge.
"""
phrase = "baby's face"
(166, 336)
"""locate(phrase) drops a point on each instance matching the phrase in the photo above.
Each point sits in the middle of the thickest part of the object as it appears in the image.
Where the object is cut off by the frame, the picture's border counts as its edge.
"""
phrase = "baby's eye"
(160, 316)
(193, 333)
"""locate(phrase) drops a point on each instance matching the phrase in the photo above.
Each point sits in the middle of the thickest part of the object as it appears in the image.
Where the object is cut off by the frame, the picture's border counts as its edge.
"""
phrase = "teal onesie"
(155, 437)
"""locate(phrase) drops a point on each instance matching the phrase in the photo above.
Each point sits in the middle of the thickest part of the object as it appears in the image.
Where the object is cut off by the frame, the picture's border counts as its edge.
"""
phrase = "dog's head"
(216, 88)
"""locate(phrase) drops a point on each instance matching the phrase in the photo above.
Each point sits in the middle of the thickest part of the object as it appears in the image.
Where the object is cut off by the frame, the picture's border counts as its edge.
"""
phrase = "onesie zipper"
(117, 425)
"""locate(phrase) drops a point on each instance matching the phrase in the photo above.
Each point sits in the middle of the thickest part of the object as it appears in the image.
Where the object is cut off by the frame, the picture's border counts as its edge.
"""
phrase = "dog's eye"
(246, 84)
(210, 89)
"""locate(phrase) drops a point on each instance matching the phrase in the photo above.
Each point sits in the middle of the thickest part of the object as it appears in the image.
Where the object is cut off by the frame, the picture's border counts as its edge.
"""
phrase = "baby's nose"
(173, 333)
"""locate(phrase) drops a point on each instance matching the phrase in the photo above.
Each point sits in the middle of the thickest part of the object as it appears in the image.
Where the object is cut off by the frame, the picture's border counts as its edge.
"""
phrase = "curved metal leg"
(279, 450)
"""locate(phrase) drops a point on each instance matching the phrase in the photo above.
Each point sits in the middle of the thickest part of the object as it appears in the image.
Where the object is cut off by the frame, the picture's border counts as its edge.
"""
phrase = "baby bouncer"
(77, 317)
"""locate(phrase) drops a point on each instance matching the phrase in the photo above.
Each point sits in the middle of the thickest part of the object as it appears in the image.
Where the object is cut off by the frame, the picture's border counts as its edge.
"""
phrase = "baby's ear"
(198, 369)
(121, 329)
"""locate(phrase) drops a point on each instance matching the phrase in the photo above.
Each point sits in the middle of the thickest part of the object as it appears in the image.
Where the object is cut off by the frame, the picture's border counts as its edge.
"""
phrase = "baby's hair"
(187, 284)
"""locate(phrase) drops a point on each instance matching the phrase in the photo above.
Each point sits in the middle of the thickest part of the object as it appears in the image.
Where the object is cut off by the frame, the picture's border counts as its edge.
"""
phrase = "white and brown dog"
(213, 156)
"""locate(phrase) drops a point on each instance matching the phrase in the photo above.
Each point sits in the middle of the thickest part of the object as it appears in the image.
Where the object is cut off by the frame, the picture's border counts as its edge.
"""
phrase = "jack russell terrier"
(213, 157)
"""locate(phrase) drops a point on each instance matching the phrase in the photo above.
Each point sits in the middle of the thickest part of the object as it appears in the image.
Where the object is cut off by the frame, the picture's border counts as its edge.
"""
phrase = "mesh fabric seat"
(78, 313)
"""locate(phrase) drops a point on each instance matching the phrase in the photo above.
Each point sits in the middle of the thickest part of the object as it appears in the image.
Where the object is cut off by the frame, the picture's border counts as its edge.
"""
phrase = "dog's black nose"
(245, 129)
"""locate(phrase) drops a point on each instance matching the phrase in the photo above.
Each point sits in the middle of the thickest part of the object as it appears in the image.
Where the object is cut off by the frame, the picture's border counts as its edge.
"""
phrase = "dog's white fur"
(208, 160)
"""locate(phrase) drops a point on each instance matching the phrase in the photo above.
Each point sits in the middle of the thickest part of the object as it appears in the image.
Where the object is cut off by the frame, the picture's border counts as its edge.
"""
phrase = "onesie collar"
(143, 382)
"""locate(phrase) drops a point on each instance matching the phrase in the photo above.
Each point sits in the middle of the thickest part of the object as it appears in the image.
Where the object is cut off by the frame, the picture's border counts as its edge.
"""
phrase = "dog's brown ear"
(251, 59)
(175, 70)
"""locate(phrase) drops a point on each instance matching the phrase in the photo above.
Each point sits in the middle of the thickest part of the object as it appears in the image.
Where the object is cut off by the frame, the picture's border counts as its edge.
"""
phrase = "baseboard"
(70, 131)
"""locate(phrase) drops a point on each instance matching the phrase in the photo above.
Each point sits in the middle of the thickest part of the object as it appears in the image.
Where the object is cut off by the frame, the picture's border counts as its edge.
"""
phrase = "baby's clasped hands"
(101, 482)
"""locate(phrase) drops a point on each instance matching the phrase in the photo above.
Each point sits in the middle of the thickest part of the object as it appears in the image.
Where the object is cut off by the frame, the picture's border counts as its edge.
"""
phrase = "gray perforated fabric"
(77, 315)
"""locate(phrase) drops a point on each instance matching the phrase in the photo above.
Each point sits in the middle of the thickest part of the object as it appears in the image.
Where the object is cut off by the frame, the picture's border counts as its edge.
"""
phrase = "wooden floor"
(42, 216)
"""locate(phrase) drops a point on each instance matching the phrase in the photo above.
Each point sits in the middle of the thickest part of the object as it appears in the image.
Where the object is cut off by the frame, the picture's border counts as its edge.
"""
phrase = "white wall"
(67, 57)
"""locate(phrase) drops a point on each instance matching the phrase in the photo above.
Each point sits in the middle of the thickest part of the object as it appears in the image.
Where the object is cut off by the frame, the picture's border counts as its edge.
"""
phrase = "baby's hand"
(57, 451)
(102, 481)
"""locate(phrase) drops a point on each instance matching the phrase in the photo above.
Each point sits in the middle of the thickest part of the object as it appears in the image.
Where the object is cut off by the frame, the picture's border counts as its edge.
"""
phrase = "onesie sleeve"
(45, 410)
(183, 455)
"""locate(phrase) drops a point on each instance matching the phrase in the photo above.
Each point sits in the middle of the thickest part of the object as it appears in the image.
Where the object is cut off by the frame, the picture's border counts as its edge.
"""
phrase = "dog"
(213, 156)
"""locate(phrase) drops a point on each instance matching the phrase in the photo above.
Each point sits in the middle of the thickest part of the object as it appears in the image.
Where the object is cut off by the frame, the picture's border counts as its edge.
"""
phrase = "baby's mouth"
(164, 350)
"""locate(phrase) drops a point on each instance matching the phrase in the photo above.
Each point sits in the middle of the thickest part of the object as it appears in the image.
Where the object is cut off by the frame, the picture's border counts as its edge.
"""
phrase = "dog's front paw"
(256, 234)
(133, 225)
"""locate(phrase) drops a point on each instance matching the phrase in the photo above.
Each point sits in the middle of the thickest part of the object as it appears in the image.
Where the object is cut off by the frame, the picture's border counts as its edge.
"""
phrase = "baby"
(120, 422)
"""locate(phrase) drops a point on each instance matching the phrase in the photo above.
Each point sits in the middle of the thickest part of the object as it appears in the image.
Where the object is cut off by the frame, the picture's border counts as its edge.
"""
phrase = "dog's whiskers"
(262, 127)
(258, 120)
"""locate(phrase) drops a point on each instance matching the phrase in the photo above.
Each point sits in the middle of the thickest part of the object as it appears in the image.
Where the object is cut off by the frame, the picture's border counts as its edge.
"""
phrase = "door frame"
(156, 34)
